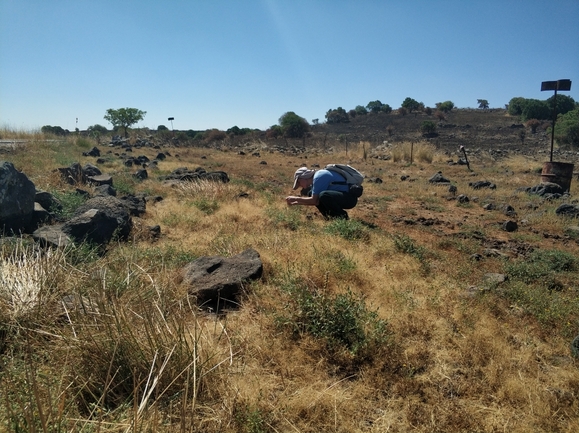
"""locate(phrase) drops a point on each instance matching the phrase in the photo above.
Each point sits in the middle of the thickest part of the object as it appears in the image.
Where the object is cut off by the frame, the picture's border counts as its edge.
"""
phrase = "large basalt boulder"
(17, 194)
(135, 205)
(48, 201)
(186, 175)
(51, 236)
(217, 282)
(98, 220)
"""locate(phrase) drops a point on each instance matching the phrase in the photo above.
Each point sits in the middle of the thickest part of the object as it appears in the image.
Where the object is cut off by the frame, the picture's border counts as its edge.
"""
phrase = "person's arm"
(293, 200)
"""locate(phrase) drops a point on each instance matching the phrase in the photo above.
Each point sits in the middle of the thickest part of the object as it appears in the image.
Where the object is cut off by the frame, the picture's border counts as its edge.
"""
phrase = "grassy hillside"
(393, 320)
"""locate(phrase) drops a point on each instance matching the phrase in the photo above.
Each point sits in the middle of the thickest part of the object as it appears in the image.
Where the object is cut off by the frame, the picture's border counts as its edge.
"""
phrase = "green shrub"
(407, 245)
(350, 230)
(342, 321)
(70, 201)
(567, 128)
(428, 127)
(288, 218)
(206, 206)
(540, 264)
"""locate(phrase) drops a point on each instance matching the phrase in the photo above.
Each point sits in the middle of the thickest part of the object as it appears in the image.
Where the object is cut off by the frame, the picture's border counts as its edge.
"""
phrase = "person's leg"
(332, 204)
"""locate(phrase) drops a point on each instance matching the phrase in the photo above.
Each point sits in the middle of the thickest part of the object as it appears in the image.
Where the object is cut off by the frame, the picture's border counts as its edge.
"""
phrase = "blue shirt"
(323, 181)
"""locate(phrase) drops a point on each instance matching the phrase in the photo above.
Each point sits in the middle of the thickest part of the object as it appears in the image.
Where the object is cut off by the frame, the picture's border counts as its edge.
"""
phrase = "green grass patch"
(351, 230)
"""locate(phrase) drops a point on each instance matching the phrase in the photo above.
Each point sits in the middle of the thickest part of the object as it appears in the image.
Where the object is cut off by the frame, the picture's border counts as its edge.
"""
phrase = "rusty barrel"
(560, 173)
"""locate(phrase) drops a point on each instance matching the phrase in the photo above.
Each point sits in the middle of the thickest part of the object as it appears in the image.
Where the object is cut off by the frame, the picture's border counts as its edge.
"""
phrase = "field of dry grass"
(382, 323)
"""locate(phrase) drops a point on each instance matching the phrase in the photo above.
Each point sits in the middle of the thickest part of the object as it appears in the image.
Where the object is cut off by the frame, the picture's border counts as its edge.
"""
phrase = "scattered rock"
(568, 210)
(217, 281)
(510, 226)
(439, 178)
(17, 196)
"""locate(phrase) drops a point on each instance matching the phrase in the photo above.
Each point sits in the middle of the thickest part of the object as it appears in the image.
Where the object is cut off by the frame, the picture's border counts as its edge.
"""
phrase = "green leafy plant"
(341, 320)
(206, 206)
(350, 230)
(70, 202)
(124, 117)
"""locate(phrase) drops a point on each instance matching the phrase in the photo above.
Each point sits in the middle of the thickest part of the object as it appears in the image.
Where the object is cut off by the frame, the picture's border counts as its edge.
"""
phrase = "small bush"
(288, 218)
(540, 264)
(428, 127)
(350, 230)
(341, 320)
(206, 206)
(70, 201)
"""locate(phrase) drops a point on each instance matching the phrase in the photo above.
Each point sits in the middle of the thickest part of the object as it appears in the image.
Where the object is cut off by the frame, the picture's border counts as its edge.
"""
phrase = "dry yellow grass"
(458, 360)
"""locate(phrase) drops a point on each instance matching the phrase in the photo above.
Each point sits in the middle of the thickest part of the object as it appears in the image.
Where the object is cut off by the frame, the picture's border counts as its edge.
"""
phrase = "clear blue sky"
(221, 63)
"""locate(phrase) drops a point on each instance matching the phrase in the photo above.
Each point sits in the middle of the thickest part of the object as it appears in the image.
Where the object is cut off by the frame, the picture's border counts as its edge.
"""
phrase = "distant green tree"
(338, 115)
(386, 108)
(97, 128)
(567, 128)
(374, 106)
(274, 132)
(428, 127)
(162, 128)
(536, 109)
(410, 104)
(360, 110)
(236, 130)
(124, 117)
(352, 113)
(482, 104)
(445, 106)
(564, 104)
(214, 135)
(293, 126)
(516, 104)
(55, 130)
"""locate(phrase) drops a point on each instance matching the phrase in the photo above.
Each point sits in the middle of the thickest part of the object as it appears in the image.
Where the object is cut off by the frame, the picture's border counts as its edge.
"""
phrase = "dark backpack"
(353, 178)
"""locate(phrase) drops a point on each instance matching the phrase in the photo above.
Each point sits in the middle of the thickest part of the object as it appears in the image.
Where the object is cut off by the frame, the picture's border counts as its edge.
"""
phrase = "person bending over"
(329, 192)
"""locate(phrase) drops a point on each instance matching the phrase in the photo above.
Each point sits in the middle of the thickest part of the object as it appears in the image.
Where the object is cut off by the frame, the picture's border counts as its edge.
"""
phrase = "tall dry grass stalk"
(415, 152)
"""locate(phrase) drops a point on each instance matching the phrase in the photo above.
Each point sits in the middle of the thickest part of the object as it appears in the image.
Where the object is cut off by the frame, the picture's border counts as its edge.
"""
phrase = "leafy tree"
(483, 104)
(193, 134)
(386, 108)
(374, 106)
(124, 117)
(535, 109)
(55, 130)
(97, 129)
(214, 135)
(516, 104)
(567, 128)
(360, 110)
(410, 104)
(338, 115)
(564, 104)
(445, 106)
(236, 130)
(274, 132)
(352, 113)
(162, 128)
(293, 126)
(428, 127)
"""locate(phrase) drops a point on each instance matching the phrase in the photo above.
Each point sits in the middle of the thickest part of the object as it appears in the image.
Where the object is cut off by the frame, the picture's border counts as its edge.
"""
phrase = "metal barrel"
(560, 173)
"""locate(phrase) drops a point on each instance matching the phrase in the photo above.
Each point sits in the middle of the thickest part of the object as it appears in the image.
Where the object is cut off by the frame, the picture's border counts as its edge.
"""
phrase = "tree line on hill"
(291, 125)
